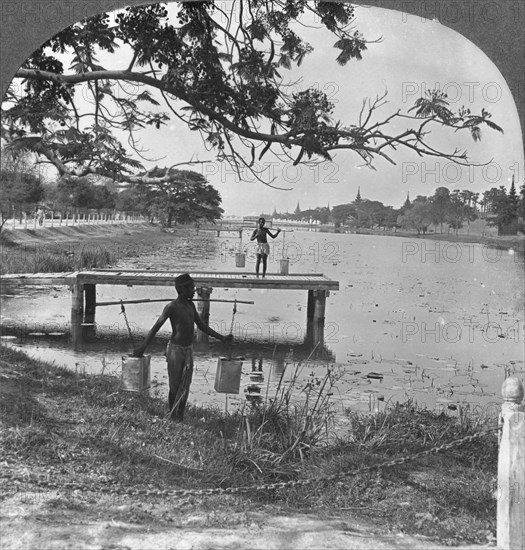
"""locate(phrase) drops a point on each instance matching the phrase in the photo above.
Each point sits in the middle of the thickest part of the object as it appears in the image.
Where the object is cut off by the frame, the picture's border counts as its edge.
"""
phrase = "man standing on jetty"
(263, 248)
(182, 315)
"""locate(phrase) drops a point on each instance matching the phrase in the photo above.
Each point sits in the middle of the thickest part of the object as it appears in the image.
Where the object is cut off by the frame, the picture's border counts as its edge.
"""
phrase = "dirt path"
(26, 526)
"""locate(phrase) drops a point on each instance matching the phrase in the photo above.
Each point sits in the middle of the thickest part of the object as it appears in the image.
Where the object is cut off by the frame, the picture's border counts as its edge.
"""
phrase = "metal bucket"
(136, 373)
(240, 259)
(284, 265)
(228, 375)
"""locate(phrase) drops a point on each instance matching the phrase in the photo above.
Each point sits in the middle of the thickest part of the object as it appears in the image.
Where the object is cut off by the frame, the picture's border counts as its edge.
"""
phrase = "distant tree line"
(445, 210)
(165, 195)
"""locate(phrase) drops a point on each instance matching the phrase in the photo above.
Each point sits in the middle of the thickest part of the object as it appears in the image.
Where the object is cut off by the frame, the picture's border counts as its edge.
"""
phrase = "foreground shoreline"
(73, 428)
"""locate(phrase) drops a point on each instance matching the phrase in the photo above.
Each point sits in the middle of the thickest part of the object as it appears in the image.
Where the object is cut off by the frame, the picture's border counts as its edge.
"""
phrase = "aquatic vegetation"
(289, 426)
(42, 260)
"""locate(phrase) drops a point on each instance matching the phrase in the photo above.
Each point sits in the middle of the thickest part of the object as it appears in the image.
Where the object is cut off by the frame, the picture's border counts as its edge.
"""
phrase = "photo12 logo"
(452, 332)
(272, 171)
(449, 12)
(49, 12)
(463, 93)
(426, 251)
(451, 173)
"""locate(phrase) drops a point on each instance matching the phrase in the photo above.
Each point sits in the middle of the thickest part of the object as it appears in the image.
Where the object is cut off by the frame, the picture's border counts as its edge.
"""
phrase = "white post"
(511, 468)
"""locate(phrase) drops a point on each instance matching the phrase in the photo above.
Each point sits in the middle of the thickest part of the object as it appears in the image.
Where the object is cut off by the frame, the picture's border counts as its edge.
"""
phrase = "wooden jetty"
(237, 226)
(83, 285)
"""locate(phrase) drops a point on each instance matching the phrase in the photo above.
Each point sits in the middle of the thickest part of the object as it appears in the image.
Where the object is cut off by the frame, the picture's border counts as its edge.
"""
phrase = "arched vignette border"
(497, 27)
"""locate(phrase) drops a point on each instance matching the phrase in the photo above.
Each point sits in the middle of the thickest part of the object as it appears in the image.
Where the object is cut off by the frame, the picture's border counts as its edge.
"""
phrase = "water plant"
(51, 260)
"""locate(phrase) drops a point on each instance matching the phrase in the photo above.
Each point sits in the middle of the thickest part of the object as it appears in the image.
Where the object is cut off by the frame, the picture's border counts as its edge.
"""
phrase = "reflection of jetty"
(83, 285)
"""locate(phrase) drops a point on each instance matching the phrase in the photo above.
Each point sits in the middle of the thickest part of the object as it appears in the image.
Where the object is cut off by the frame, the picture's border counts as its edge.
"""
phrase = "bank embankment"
(110, 456)
(503, 242)
(61, 249)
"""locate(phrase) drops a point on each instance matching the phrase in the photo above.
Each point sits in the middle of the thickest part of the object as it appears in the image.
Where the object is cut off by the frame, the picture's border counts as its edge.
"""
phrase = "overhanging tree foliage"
(222, 73)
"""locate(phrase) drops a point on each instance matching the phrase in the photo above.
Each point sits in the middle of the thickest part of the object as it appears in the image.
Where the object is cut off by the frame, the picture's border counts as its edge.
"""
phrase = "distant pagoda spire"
(297, 209)
(358, 198)
(407, 202)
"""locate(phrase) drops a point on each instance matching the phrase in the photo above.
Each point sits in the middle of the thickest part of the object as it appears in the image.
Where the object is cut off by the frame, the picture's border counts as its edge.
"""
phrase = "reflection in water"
(400, 327)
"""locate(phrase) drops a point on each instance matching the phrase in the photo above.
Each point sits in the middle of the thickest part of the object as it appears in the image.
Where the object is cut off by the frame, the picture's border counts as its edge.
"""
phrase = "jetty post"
(90, 299)
(83, 307)
(77, 299)
(511, 468)
(315, 316)
(84, 298)
(203, 309)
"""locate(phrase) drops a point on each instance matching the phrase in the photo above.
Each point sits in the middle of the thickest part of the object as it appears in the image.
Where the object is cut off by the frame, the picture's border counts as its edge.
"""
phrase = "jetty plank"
(303, 281)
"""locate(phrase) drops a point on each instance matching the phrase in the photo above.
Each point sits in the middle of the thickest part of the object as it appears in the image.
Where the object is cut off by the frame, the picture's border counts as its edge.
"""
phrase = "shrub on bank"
(37, 260)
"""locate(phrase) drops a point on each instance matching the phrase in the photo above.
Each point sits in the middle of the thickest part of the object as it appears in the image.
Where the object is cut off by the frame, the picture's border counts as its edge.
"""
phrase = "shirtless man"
(263, 248)
(182, 315)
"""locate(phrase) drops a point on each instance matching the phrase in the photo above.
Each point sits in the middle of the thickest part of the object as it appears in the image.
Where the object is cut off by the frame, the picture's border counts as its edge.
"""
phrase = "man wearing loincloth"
(263, 248)
(179, 355)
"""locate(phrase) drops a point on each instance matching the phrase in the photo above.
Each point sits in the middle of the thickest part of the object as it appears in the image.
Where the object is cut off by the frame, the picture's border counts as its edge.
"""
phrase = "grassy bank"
(61, 249)
(82, 429)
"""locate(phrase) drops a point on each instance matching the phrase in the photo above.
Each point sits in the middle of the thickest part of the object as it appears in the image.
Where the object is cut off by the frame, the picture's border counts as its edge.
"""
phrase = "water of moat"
(436, 322)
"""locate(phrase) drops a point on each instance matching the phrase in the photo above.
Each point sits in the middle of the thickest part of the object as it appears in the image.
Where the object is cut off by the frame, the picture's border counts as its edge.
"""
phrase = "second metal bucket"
(240, 259)
(228, 375)
(284, 266)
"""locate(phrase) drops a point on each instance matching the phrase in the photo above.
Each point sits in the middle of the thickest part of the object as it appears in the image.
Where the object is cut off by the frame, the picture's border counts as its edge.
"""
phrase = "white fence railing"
(58, 220)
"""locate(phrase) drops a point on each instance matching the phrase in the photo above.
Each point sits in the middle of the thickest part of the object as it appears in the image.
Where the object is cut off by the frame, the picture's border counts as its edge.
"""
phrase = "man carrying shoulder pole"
(182, 315)
(263, 248)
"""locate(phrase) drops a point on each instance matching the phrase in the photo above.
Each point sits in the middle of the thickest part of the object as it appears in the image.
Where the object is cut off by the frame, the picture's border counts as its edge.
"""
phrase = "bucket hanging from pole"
(284, 263)
(229, 370)
(240, 259)
(228, 375)
(136, 373)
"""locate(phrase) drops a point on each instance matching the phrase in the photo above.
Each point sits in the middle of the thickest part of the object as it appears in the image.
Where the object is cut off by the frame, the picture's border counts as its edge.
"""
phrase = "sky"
(412, 56)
